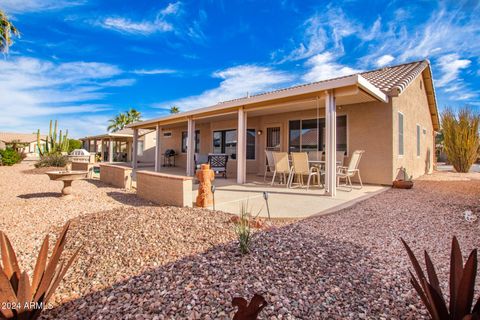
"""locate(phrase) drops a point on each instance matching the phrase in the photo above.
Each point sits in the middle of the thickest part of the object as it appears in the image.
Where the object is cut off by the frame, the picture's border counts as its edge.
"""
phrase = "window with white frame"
(418, 140)
(400, 134)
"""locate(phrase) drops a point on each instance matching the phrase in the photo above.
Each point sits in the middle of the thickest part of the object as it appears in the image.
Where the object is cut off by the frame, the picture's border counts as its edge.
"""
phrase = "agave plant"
(26, 300)
(462, 283)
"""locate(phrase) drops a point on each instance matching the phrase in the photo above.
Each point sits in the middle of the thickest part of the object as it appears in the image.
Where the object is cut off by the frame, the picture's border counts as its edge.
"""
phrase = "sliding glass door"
(309, 135)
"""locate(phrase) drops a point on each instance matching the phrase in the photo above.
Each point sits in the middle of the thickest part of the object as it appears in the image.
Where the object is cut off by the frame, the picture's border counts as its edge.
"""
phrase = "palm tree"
(7, 29)
(122, 119)
(118, 123)
(133, 116)
(174, 109)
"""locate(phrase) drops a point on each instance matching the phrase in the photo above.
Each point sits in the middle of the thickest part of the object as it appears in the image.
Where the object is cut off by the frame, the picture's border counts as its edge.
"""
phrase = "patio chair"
(199, 160)
(348, 172)
(270, 165)
(340, 158)
(218, 163)
(282, 167)
(315, 155)
(301, 168)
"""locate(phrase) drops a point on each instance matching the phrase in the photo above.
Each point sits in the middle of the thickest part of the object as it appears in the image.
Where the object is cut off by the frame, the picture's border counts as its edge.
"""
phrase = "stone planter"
(403, 184)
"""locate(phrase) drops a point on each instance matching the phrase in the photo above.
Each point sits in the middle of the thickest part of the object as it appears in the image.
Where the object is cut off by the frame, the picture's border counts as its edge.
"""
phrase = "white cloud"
(172, 8)
(128, 26)
(384, 60)
(323, 66)
(154, 71)
(145, 27)
(326, 30)
(24, 6)
(236, 82)
(32, 88)
(450, 66)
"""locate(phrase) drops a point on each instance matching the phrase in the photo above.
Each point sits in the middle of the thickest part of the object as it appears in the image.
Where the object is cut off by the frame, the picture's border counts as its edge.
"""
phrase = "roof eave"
(315, 87)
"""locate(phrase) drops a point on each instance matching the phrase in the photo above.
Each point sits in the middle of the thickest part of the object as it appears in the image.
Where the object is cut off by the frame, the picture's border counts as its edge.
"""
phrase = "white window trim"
(341, 114)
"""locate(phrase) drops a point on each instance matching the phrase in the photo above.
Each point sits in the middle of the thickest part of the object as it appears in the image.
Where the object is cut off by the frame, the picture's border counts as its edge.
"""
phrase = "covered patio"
(244, 128)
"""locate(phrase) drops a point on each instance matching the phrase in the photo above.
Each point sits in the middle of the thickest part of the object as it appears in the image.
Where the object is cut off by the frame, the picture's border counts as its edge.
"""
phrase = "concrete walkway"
(296, 202)
(286, 203)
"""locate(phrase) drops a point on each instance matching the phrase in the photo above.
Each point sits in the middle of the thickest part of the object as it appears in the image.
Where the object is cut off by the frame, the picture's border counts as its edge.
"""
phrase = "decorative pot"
(403, 184)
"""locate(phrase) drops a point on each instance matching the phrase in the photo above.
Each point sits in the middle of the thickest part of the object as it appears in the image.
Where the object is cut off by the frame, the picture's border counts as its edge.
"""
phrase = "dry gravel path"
(146, 262)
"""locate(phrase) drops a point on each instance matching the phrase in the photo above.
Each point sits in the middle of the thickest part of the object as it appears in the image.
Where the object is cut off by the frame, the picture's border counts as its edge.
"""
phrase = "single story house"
(26, 143)
(390, 113)
(117, 146)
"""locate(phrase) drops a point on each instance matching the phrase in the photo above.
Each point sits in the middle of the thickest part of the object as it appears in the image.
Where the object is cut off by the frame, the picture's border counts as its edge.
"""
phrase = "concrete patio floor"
(296, 202)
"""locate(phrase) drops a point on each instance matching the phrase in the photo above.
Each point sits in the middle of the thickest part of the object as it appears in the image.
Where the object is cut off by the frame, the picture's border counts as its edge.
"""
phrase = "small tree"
(461, 137)
(74, 144)
(174, 109)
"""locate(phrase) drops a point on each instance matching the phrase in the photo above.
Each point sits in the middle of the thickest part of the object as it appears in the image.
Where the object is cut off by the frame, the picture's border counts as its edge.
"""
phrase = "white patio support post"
(190, 147)
(241, 146)
(110, 150)
(129, 151)
(158, 150)
(102, 151)
(135, 149)
(331, 144)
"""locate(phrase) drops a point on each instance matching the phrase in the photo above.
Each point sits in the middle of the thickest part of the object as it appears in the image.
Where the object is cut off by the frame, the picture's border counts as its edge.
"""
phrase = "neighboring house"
(119, 145)
(391, 113)
(26, 143)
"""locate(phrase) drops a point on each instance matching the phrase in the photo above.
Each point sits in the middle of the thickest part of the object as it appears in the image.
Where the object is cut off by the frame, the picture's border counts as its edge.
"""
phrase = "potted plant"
(406, 182)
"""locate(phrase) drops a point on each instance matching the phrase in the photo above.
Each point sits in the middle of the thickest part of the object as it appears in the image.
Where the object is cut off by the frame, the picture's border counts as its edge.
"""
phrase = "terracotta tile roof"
(20, 137)
(390, 80)
(393, 80)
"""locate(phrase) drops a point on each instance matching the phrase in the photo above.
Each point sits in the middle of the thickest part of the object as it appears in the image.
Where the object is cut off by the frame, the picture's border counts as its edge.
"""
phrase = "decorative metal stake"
(213, 193)
(265, 196)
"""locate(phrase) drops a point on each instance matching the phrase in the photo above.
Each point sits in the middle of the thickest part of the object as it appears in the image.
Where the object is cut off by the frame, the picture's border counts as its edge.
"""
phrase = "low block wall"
(81, 166)
(165, 189)
(117, 176)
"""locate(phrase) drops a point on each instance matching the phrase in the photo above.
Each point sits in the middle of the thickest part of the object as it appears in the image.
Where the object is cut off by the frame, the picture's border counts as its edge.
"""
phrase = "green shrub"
(52, 160)
(9, 157)
(461, 138)
(74, 144)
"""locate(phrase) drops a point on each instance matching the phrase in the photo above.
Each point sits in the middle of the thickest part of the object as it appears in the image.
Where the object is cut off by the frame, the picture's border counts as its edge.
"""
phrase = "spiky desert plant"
(242, 228)
(462, 283)
(461, 137)
(28, 299)
(53, 143)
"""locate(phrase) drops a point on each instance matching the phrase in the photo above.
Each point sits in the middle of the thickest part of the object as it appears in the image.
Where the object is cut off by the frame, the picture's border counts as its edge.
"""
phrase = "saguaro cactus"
(51, 143)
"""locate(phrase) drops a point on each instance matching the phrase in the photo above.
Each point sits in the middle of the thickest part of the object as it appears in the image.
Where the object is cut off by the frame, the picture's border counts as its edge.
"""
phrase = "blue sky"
(82, 61)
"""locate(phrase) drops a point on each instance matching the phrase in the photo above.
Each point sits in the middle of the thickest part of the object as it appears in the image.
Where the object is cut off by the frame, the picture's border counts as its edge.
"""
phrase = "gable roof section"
(395, 79)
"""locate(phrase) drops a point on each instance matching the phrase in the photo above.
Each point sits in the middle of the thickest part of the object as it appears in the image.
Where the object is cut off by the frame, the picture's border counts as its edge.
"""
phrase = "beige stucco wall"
(116, 175)
(148, 148)
(413, 104)
(165, 189)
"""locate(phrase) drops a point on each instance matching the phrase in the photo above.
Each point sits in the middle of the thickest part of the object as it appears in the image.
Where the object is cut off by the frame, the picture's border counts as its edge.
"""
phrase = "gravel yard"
(145, 262)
